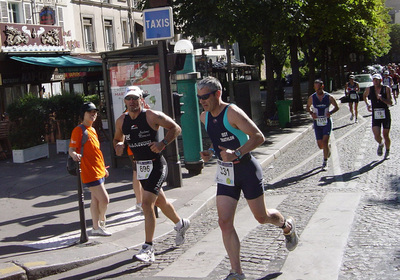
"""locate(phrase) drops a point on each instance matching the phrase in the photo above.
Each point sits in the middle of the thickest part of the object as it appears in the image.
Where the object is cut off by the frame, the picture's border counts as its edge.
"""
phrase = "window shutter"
(4, 11)
(28, 13)
(60, 16)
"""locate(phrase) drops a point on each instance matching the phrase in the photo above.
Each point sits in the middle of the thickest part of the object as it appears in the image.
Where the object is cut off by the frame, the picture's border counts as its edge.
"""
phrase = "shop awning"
(63, 63)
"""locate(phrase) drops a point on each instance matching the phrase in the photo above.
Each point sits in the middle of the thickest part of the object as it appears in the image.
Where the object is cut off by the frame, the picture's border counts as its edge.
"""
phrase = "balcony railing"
(89, 46)
(109, 46)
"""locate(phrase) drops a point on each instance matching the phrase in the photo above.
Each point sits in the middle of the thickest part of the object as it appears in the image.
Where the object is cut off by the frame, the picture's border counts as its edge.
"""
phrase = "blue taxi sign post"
(158, 24)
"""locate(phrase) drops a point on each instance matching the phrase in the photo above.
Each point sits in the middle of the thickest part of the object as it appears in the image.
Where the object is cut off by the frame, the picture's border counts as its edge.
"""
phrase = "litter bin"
(283, 111)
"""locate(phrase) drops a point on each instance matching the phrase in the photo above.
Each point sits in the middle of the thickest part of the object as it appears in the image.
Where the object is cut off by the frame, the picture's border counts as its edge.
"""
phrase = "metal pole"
(84, 237)
(174, 178)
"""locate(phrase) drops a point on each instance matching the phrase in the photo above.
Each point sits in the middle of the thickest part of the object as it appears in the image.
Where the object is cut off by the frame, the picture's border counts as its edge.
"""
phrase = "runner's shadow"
(349, 176)
(271, 276)
(293, 180)
(343, 126)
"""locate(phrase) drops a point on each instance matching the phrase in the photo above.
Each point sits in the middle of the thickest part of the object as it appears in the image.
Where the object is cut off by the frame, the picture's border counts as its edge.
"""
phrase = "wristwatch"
(165, 142)
(238, 153)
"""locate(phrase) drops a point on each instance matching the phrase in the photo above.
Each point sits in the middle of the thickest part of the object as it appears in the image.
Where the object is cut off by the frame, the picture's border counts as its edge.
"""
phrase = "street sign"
(158, 24)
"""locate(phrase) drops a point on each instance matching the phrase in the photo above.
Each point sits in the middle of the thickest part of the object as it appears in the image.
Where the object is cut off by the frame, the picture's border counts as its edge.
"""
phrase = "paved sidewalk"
(196, 195)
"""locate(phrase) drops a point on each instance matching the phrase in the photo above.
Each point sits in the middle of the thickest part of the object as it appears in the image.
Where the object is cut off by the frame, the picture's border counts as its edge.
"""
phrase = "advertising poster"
(146, 75)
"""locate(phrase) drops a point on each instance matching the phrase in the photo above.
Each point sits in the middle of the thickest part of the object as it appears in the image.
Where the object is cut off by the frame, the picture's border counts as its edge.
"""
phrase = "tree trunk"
(229, 71)
(270, 107)
(297, 104)
(311, 66)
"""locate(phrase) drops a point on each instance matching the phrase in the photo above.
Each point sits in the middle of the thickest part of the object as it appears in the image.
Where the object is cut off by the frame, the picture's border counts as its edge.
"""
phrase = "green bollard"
(190, 120)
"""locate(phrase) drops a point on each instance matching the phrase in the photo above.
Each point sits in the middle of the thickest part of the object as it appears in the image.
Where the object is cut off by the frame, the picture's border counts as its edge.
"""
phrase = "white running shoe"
(139, 207)
(146, 254)
(291, 238)
(100, 232)
(180, 233)
(324, 165)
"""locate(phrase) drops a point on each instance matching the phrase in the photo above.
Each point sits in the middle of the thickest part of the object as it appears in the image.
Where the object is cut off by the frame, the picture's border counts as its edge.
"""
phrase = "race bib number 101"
(225, 174)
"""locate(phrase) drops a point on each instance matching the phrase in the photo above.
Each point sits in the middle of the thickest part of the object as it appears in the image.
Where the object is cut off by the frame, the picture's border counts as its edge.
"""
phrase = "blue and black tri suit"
(247, 170)
(379, 105)
(353, 95)
(139, 134)
(321, 108)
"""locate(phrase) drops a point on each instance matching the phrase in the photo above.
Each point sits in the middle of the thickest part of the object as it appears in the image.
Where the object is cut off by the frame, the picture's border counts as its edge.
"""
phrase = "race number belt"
(353, 95)
(143, 169)
(322, 121)
(379, 114)
(225, 174)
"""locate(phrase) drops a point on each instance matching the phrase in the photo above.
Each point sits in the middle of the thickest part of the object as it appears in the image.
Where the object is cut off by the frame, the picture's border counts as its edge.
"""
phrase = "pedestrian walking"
(139, 127)
(234, 135)
(351, 90)
(380, 98)
(318, 105)
(93, 170)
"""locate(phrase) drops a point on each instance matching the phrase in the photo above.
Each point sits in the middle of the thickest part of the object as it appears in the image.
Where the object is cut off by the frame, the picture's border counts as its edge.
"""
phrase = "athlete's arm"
(365, 95)
(388, 99)
(157, 119)
(239, 120)
(119, 137)
(357, 87)
(206, 155)
(308, 107)
(335, 106)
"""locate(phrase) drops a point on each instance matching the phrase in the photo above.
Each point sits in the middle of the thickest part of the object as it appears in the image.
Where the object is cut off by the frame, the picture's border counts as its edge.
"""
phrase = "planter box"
(32, 153)
(62, 145)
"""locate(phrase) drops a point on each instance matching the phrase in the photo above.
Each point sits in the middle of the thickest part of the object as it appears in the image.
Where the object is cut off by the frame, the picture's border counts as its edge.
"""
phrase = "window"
(13, 12)
(126, 34)
(109, 36)
(28, 13)
(88, 34)
(60, 17)
(4, 11)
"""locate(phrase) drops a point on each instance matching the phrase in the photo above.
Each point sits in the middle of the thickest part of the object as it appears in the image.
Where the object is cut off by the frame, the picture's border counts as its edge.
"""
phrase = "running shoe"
(291, 238)
(146, 254)
(180, 233)
(100, 232)
(379, 152)
(235, 276)
(356, 121)
(324, 165)
(387, 153)
(351, 118)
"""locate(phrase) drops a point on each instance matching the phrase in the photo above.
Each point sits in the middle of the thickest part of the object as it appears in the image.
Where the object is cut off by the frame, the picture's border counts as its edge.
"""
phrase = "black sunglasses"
(131, 97)
(206, 96)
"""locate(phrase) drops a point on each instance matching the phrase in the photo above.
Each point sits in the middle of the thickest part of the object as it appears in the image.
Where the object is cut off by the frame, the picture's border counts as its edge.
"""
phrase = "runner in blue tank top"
(234, 135)
(318, 106)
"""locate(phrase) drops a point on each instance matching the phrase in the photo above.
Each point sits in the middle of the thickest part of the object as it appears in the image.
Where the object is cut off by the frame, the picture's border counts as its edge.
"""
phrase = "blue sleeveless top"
(222, 133)
(321, 107)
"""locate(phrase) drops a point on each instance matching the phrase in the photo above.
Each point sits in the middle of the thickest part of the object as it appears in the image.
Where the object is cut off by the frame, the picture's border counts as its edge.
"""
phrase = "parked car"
(364, 81)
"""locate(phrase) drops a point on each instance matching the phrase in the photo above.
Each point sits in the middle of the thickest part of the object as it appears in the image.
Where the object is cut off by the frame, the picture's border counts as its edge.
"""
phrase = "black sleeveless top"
(138, 135)
(374, 100)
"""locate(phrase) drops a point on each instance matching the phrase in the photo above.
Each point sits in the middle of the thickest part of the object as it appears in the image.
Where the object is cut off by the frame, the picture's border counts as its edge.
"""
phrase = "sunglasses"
(206, 96)
(131, 97)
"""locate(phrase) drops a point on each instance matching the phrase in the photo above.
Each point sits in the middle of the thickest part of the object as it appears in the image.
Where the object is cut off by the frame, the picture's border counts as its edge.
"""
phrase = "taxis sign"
(158, 24)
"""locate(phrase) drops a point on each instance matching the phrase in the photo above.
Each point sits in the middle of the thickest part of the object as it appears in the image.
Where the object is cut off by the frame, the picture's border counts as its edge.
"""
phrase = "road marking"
(201, 259)
(323, 241)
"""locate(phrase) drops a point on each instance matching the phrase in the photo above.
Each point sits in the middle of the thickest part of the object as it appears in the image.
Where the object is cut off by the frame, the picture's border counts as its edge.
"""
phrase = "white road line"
(322, 243)
(201, 259)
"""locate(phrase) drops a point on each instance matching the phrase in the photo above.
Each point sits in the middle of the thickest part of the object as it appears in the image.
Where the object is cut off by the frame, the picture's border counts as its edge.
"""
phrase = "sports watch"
(238, 153)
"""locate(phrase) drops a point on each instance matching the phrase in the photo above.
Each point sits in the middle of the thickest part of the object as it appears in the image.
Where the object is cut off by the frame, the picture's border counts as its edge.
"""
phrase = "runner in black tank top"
(381, 98)
(139, 128)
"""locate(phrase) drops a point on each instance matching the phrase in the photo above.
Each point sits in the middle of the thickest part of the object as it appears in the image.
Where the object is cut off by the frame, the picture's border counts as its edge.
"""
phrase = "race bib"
(322, 121)
(379, 114)
(395, 86)
(353, 96)
(225, 174)
(143, 169)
